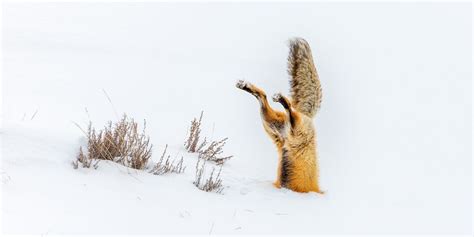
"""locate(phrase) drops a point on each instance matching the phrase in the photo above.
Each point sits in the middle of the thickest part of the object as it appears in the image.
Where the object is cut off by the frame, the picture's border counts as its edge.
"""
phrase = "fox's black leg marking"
(246, 88)
(286, 104)
(285, 168)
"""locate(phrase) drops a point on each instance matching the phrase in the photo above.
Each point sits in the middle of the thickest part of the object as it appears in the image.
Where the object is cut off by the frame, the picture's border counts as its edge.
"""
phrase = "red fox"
(292, 131)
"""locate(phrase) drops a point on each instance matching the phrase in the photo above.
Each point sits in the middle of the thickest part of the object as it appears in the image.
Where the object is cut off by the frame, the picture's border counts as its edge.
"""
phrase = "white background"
(394, 131)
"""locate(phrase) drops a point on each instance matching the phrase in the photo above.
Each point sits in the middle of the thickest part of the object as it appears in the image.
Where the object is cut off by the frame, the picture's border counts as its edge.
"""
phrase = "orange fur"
(292, 131)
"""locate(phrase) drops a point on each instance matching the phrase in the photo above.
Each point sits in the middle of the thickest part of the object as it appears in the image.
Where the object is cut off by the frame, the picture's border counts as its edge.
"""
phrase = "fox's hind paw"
(277, 97)
(241, 84)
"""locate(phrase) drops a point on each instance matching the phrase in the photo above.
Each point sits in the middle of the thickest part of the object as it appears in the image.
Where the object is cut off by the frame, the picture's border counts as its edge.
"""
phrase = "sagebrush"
(85, 161)
(194, 133)
(213, 152)
(167, 166)
(120, 142)
(212, 183)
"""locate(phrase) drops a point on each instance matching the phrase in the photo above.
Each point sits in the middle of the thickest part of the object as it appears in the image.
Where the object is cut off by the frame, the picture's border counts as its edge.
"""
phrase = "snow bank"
(393, 131)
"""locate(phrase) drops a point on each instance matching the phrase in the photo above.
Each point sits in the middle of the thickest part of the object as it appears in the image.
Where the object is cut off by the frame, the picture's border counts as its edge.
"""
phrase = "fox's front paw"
(246, 86)
(241, 84)
(277, 97)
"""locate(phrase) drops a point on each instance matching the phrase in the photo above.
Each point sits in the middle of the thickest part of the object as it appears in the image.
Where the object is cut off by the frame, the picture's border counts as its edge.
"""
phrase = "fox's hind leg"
(293, 115)
(273, 120)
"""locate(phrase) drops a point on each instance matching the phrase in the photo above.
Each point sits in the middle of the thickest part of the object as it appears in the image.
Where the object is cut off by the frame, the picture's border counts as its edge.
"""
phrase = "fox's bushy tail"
(306, 92)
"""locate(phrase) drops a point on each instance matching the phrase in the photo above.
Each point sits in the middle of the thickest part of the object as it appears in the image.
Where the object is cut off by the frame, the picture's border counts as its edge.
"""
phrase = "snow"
(394, 128)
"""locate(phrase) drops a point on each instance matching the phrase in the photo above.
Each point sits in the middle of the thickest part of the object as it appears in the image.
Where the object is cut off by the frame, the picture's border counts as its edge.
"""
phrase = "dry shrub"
(213, 152)
(121, 142)
(166, 166)
(194, 132)
(210, 153)
(85, 161)
(212, 183)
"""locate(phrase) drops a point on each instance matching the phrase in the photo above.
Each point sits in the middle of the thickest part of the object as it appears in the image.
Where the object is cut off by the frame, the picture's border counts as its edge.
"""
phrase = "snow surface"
(394, 130)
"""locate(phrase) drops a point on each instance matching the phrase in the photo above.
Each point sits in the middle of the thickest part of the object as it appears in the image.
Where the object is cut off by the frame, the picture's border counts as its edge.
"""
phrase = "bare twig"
(77, 125)
(212, 227)
(87, 112)
(110, 101)
(194, 133)
(212, 183)
(213, 152)
(86, 161)
(33, 116)
(166, 166)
